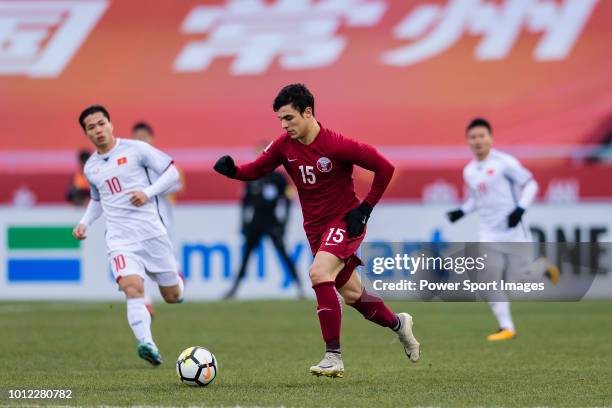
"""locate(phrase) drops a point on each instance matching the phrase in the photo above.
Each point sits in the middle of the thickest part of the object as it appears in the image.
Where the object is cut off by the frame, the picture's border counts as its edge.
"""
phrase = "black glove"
(225, 165)
(356, 219)
(455, 215)
(515, 217)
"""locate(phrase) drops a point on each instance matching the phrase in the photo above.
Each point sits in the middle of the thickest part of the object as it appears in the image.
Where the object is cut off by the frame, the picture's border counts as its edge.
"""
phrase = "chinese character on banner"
(38, 38)
(433, 29)
(301, 34)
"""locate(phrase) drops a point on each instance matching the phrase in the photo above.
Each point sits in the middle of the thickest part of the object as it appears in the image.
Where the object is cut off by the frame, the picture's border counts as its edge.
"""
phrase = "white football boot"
(330, 366)
(411, 346)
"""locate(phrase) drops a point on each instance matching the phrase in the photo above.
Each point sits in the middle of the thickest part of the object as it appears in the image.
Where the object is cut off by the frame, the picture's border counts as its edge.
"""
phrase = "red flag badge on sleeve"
(121, 160)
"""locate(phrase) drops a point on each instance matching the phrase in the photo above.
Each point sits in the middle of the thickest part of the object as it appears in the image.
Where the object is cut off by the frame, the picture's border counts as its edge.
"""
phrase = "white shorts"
(520, 233)
(512, 262)
(153, 257)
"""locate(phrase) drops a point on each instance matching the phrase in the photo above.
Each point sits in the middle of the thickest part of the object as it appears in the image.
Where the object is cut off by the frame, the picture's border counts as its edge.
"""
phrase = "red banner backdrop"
(403, 75)
(389, 72)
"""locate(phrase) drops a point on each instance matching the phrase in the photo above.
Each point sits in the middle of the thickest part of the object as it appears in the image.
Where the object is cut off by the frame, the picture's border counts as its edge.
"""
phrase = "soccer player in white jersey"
(136, 239)
(501, 190)
(144, 132)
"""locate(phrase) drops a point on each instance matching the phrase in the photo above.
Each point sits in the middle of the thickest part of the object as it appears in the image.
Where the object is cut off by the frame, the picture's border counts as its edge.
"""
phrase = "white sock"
(149, 288)
(501, 310)
(139, 319)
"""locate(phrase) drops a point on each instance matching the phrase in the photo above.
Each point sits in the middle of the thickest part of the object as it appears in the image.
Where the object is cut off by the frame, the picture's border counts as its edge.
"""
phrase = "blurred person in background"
(78, 193)
(501, 190)
(265, 211)
(143, 131)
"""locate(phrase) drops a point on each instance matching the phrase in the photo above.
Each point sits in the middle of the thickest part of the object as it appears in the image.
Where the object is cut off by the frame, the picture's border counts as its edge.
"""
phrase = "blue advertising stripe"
(48, 270)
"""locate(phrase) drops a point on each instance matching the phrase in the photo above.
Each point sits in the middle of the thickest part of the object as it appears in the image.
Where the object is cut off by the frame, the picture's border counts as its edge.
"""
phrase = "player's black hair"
(479, 122)
(144, 126)
(295, 94)
(90, 111)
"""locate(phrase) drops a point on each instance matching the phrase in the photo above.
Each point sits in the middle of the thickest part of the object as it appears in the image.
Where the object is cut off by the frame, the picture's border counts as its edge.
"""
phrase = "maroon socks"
(330, 315)
(374, 309)
(329, 311)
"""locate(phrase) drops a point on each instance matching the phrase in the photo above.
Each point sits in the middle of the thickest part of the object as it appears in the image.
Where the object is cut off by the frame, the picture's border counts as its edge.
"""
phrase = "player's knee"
(133, 291)
(171, 296)
(318, 274)
(132, 286)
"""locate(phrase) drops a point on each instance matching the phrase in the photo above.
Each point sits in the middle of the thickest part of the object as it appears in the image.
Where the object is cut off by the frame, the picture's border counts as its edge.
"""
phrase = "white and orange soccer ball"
(197, 366)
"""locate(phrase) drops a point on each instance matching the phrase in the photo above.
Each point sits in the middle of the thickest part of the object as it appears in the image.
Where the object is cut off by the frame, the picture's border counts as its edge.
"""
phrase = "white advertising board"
(208, 247)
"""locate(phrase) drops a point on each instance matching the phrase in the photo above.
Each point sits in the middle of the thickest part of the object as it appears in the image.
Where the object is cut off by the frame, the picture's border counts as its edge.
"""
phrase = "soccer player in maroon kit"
(320, 163)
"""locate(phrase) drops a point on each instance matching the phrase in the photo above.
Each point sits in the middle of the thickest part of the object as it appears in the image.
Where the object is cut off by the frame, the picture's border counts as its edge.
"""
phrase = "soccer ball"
(196, 366)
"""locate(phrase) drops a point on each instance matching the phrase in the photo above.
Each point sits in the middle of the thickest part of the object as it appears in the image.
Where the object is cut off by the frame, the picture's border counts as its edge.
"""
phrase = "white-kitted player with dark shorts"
(136, 239)
(501, 189)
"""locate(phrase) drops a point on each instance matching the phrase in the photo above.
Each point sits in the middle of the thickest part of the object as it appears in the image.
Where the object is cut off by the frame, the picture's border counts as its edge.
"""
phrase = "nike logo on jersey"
(328, 244)
(291, 160)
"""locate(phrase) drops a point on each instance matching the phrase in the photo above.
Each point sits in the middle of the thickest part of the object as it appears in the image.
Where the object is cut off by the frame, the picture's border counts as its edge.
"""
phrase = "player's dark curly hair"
(90, 111)
(479, 122)
(297, 95)
(144, 126)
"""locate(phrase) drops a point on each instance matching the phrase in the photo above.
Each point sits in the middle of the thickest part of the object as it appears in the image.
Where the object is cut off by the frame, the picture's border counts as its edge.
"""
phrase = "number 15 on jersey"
(308, 175)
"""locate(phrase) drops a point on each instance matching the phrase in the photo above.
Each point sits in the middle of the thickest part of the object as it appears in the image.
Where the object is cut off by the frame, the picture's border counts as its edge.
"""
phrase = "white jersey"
(164, 205)
(495, 184)
(125, 168)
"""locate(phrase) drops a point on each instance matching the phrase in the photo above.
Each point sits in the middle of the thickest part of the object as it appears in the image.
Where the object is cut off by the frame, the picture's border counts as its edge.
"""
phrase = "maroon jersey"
(323, 174)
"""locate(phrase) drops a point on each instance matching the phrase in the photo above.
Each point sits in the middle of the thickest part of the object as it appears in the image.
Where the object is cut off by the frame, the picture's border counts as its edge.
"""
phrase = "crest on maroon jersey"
(324, 165)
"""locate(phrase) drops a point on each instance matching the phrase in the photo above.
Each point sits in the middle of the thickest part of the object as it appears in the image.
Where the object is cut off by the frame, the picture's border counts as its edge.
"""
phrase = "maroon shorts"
(335, 240)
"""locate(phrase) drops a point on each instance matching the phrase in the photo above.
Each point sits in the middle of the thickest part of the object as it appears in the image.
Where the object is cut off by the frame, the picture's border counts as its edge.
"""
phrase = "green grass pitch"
(562, 356)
